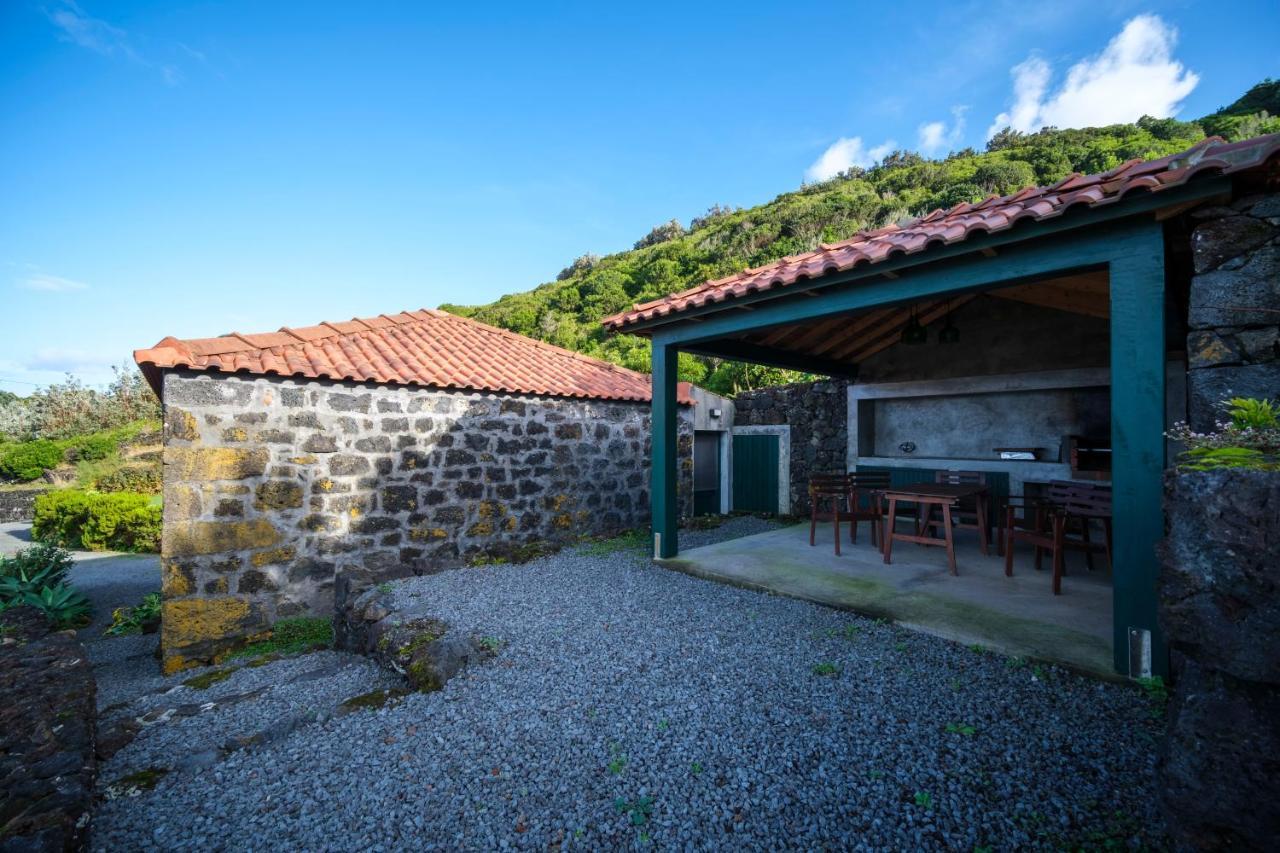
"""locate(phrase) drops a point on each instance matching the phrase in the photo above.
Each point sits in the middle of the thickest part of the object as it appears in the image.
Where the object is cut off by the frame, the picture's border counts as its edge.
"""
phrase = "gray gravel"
(620, 681)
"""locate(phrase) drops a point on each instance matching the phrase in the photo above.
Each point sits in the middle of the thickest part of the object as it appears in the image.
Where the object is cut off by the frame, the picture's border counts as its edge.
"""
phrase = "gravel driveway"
(632, 706)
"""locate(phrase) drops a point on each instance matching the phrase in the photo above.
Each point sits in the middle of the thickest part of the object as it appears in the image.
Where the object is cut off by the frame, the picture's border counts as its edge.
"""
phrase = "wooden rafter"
(1086, 294)
(937, 312)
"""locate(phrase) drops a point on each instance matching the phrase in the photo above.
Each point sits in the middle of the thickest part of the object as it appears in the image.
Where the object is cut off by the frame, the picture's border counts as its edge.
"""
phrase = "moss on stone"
(274, 556)
(143, 780)
(291, 636)
(207, 679)
(374, 699)
(278, 494)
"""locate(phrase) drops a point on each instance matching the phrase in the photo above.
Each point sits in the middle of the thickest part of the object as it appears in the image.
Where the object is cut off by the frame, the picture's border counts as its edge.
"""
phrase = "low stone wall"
(19, 504)
(1220, 613)
(276, 488)
(817, 413)
(1233, 347)
(47, 715)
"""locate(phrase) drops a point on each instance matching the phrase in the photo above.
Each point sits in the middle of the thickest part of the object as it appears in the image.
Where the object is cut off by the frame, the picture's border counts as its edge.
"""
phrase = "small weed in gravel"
(960, 729)
(491, 644)
(638, 809)
(826, 668)
(135, 783)
(924, 800)
(696, 768)
(1157, 693)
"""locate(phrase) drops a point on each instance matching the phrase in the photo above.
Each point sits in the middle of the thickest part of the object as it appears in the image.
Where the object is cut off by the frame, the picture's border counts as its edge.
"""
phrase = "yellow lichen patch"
(491, 509)
(181, 501)
(307, 459)
(187, 621)
(235, 434)
(216, 537)
(214, 463)
(324, 484)
(217, 586)
(563, 521)
(176, 579)
(278, 494)
(181, 425)
(233, 489)
(510, 523)
(557, 502)
(480, 528)
(426, 534)
(275, 555)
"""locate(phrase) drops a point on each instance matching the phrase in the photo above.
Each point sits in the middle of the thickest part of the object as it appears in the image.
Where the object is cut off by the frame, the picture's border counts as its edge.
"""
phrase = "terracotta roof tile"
(1211, 156)
(421, 348)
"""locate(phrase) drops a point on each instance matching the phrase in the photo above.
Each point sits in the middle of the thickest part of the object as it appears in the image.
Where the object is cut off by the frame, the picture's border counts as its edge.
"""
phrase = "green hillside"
(673, 257)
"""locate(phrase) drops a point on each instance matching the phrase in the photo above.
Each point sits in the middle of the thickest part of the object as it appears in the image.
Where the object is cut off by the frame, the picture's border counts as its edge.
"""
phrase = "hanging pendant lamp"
(949, 333)
(913, 334)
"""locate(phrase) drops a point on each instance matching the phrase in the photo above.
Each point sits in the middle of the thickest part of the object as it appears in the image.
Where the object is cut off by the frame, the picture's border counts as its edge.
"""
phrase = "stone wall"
(19, 504)
(1233, 346)
(1219, 608)
(277, 489)
(817, 413)
(48, 709)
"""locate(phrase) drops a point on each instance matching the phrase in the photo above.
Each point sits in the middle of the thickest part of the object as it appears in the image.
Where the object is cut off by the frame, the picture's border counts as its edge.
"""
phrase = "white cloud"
(50, 283)
(78, 27)
(844, 153)
(1135, 75)
(935, 137)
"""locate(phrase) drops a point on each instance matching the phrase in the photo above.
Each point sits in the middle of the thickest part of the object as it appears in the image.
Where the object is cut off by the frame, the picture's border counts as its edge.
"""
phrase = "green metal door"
(755, 473)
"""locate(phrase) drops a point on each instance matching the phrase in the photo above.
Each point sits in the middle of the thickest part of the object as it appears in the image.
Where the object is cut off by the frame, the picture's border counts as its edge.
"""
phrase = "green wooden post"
(1137, 442)
(662, 473)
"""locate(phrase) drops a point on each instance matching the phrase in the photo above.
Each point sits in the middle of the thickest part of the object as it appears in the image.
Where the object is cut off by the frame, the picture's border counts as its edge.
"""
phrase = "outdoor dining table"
(926, 496)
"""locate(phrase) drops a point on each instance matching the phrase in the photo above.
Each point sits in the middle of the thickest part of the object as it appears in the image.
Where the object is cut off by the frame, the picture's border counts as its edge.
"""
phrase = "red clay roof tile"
(939, 228)
(421, 348)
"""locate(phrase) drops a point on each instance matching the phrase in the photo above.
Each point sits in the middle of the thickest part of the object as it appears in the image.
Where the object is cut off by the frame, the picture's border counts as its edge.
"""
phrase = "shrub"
(28, 461)
(90, 448)
(141, 618)
(144, 480)
(44, 557)
(97, 522)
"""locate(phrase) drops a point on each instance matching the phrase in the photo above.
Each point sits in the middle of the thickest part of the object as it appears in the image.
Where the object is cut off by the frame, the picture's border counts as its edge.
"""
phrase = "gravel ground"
(634, 706)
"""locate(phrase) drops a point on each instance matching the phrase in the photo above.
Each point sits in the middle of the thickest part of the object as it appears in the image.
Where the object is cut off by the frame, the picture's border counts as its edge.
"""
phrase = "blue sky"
(191, 169)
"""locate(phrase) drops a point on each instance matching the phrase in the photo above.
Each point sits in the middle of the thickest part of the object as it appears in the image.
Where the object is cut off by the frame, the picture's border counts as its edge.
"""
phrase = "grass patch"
(374, 699)
(961, 729)
(291, 636)
(631, 540)
(826, 668)
(135, 783)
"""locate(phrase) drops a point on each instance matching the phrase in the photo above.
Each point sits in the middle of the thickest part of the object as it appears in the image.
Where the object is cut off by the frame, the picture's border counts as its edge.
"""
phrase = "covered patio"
(1070, 305)
(979, 606)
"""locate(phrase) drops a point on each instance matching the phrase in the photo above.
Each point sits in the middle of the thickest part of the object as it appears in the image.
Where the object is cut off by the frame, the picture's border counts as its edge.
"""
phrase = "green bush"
(90, 448)
(44, 559)
(97, 522)
(144, 480)
(28, 461)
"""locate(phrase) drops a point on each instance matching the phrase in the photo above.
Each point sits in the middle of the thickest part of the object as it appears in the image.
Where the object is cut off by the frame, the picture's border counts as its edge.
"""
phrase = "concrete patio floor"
(1016, 615)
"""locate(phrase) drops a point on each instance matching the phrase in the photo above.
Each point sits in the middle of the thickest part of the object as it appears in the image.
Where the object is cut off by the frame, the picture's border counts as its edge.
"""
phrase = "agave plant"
(66, 606)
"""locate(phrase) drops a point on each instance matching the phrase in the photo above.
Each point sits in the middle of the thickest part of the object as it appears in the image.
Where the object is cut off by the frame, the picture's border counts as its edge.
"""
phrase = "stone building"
(345, 453)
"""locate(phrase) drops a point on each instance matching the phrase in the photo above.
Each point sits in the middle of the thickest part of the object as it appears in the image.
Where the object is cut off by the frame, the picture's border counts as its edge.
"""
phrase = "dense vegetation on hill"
(673, 257)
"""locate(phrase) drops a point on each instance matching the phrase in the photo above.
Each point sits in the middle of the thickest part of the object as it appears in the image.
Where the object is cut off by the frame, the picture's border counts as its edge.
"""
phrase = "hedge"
(27, 461)
(98, 522)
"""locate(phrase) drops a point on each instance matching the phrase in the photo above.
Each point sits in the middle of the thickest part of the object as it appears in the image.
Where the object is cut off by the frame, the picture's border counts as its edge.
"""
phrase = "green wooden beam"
(663, 471)
(1137, 441)
(1130, 207)
(757, 354)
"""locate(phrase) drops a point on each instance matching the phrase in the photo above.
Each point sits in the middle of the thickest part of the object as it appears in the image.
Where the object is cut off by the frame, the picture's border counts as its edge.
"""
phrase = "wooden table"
(927, 496)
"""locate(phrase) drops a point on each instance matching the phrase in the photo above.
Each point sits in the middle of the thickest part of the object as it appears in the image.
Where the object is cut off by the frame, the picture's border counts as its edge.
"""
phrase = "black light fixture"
(913, 334)
(949, 333)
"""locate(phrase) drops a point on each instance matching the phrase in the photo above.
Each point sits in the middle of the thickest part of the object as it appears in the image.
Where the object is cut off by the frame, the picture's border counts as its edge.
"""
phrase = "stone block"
(190, 538)
(320, 443)
(345, 465)
(342, 402)
(213, 463)
(278, 494)
(180, 424)
(193, 630)
(1219, 239)
(1207, 387)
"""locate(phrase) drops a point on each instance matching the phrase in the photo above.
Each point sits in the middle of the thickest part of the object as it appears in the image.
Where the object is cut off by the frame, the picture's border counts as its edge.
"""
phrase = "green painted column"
(663, 473)
(1137, 440)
